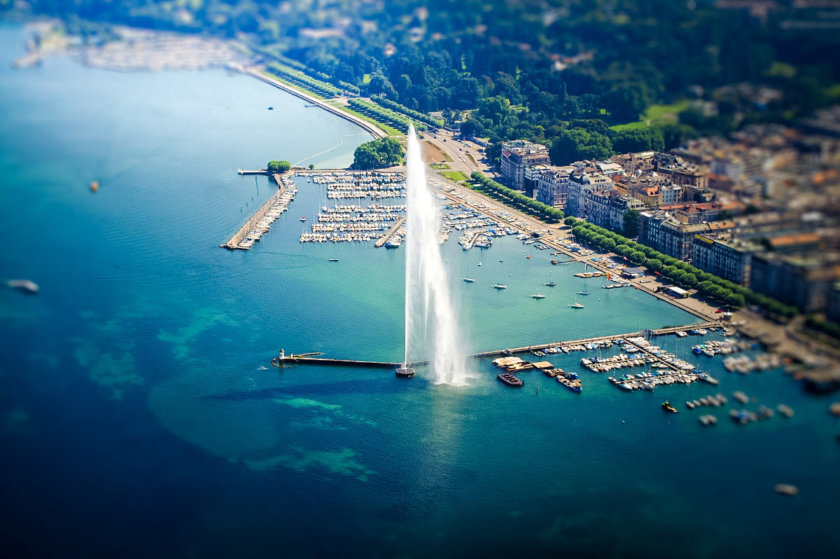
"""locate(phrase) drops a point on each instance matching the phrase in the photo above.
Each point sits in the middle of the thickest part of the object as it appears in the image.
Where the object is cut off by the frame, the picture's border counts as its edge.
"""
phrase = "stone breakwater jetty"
(552, 347)
(260, 222)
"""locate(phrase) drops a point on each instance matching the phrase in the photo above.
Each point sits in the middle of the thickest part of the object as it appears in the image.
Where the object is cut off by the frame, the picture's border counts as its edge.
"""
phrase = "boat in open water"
(499, 286)
(26, 286)
(511, 380)
(666, 405)
(537, 296)
(468, 280)
(576, 305)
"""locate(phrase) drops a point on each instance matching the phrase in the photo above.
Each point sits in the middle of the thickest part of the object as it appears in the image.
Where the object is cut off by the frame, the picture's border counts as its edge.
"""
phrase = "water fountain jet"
(430, 324)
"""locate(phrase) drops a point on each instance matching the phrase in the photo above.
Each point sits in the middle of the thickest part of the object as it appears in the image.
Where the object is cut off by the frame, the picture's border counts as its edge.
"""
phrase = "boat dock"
(313, 359)
(261, 220)
(390, 233)
(307, 359)
(597, 339)
(470, 239)
(252, 172)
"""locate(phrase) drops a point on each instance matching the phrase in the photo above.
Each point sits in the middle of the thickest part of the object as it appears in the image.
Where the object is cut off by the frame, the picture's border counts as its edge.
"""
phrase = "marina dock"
(306, 359)
(261, 221)
(595, 340)
(390, 233)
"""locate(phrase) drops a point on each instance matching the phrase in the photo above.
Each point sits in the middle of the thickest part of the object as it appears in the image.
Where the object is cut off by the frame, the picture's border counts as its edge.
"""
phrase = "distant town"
(756, 208)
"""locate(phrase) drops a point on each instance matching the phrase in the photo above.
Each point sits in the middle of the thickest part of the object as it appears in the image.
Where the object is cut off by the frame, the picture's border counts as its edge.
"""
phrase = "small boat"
(537, 296)
(510, 380)
(584, 292)
(333, 259)
(404, 372)
(394, 243)
(24, 286)
(572, 384)
(666, 405)
(499, 286)
(303, 218)
(479, 263)
(681, 334)
(550, 283)
(553, 262)
(468, 280)
(576, 305)
(786, 489)
(94, 186)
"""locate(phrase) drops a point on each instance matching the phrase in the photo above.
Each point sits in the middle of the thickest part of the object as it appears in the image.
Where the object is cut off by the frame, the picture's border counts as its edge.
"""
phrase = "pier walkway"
(235, 242)
(390, 233)
(283, 359)
(582, 341)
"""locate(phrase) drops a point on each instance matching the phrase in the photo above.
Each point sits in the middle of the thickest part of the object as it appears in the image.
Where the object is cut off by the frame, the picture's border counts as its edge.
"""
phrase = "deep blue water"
(136, 420)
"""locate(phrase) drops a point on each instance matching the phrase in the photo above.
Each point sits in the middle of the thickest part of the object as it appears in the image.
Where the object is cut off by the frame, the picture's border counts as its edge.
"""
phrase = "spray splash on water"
(430, 326)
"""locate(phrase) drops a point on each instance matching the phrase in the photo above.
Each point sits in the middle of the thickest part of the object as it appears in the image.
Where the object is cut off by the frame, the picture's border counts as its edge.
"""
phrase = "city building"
(668, 235)
(670, 194)
(517, 157)
(805, 281)
(580, 183)
(552, 185)
(725, 258)
(832, 309)
(606, 208)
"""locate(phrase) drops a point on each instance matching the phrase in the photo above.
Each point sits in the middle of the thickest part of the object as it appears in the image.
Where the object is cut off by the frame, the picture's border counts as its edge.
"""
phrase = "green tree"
(631, 223)
(376, 154)
(275, 167)
(654, 264)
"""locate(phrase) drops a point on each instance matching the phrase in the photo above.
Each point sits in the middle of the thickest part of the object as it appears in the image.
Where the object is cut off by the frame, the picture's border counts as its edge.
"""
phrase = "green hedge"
(384, 115)
(825, 326)
(307, 82)
(517, 199)
(411, 113)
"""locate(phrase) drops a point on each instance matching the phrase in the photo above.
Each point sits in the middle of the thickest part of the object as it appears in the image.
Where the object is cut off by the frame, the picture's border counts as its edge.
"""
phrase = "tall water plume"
(431, 332)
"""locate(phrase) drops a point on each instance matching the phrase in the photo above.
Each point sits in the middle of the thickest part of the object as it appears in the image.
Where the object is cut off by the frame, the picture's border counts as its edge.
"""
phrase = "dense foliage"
(275, 167)
(516, 199)
(560, 72)
(681, 273)
(377, 154)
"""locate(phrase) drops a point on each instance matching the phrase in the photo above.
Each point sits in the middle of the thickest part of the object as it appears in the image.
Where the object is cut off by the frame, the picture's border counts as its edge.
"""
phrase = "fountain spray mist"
(430, 325)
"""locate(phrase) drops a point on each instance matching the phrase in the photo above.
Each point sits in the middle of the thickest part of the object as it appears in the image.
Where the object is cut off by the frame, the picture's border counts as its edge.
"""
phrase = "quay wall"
(368, 127)
(233, 242)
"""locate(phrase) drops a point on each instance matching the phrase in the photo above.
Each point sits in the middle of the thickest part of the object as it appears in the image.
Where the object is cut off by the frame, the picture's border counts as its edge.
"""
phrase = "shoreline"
(374, 131)
(159, 47)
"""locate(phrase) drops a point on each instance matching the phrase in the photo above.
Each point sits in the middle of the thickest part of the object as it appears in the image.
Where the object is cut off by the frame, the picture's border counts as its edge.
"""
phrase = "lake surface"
(137, 418)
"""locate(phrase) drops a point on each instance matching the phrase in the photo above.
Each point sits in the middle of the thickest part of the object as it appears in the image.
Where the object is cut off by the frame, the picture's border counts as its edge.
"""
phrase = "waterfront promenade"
(552, 235)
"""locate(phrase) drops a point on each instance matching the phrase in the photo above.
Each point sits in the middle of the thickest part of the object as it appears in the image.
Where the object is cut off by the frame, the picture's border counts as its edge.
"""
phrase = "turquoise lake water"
(137, 421)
